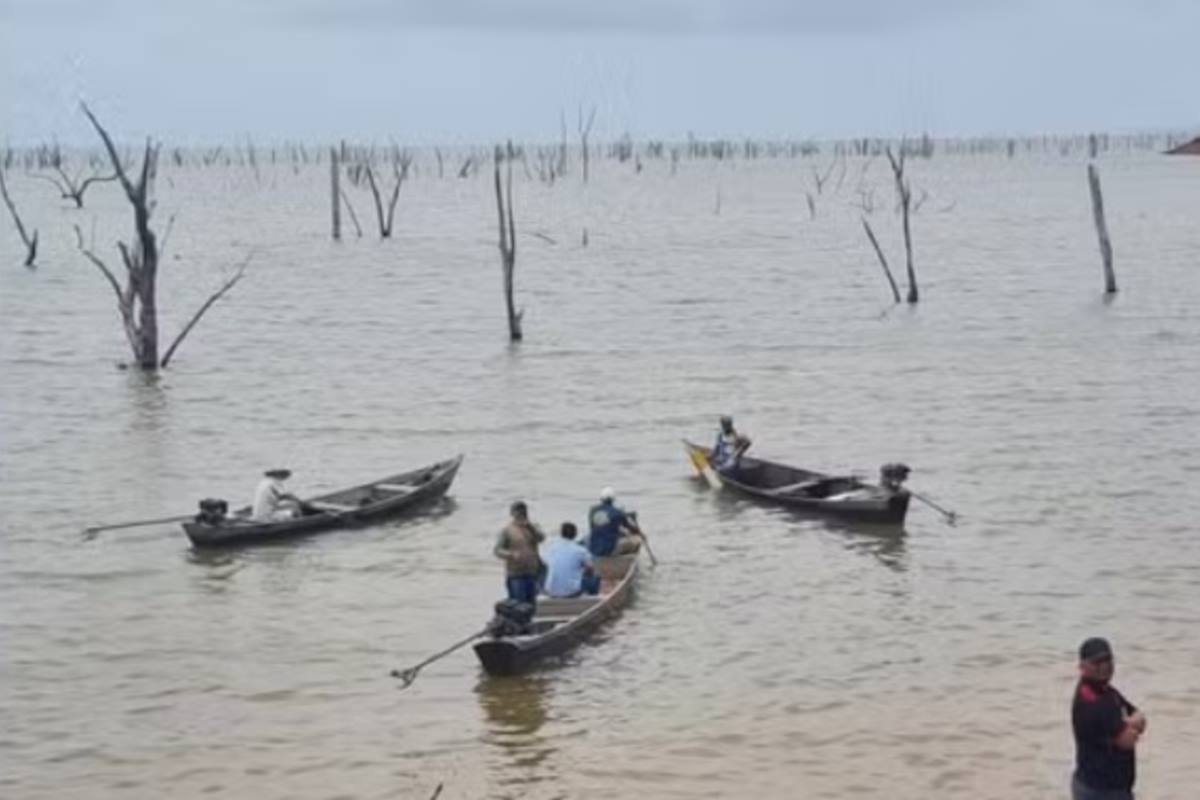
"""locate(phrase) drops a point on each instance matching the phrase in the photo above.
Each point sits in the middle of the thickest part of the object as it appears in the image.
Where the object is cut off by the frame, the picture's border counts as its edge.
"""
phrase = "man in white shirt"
(569, 570)
(271, 501)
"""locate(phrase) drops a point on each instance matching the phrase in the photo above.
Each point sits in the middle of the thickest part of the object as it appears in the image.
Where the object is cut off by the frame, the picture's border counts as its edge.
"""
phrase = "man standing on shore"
(1107, 728)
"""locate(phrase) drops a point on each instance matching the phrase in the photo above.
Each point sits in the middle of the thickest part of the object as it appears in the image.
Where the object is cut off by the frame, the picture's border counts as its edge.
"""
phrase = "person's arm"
(501, 550)
(1128, 737)
(743, 444)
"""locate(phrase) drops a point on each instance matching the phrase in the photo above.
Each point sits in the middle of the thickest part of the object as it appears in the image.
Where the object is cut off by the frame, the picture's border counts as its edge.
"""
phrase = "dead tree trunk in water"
(71, 188)
(137, 299)
(584, 132)
(1106, 253)
(508, 240)
(385, 221)
(904, 192)
(31, 243)
(882, 260)
(335, 193)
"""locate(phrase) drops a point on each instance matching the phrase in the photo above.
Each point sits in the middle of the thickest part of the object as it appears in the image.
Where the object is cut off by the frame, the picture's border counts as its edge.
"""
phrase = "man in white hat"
(272, 502)
(613, 530)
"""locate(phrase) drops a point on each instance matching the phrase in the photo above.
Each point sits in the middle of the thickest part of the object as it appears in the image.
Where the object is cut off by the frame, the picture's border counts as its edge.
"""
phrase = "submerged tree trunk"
(1106, 253)
(904, 192)
(882, 260)
(31, 242)
(508, 241)
(335, 193)
(137, 300)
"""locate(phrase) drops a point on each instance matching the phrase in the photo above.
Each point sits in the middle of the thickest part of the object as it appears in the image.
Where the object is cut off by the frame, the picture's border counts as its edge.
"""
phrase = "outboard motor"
(513, 618)
(892, 476)
(212, 511)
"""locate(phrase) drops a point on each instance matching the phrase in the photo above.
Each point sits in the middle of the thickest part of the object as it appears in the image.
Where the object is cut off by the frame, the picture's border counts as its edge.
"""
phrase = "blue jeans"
(522, 588)
(591, 584)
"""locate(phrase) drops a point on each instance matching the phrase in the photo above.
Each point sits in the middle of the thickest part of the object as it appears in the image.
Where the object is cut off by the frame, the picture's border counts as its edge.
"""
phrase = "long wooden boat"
(843, 496)
(359, 505)
(559, 624)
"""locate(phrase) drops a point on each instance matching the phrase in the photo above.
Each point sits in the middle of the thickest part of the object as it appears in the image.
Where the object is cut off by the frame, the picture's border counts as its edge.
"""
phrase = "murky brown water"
(768, 655)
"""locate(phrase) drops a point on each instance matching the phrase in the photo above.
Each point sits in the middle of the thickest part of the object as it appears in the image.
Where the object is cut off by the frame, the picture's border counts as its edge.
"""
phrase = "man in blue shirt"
(613, 531)
(569, 571)
(728, 449)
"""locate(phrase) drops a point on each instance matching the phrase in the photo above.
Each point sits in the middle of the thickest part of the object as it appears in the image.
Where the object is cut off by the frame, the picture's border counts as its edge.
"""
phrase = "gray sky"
(474, 70)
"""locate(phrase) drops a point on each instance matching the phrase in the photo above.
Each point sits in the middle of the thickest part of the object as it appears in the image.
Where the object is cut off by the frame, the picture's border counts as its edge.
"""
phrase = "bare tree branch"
(112, 152)
(217, 295)
(112, 279)
(31, 243)
(353, 216)
(882, 260)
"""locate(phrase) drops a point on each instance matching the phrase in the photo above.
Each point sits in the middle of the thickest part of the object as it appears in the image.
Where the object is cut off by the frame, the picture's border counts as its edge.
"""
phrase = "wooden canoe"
(842, 496)
(559, 624)
(359, 505)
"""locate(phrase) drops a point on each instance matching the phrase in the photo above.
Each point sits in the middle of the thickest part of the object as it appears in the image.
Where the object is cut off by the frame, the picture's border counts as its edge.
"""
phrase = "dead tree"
(508, 240)
(882, 260)
(904, 193)
(353, 216)
(584, 132)
(1106, 253)
(335, 193)
(71, 188)
(137, 300)
(400, 171)
(31, 243)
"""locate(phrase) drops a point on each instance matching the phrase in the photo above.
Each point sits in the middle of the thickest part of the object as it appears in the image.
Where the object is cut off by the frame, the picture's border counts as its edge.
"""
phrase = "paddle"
(649, 552)
(407, 676)
(89, 533)
(701, 463)
(951, 517)
(645, 540)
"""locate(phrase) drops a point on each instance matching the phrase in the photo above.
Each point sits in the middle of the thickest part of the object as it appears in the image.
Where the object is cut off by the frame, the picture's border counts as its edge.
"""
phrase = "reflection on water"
(515, 711)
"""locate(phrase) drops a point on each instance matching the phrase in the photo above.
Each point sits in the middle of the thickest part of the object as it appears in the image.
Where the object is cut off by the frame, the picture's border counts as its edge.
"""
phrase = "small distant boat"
(360, 505)
(843, 496)
(559, 624)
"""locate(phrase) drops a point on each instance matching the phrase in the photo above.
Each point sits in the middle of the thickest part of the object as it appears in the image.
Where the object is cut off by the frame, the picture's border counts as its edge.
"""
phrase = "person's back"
(605, 520)
(266, 498)
(568, 565)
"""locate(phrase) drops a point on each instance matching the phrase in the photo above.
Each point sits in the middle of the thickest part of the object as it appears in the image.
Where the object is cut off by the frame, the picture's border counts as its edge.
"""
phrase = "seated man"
(271, 501)
(613, 531)
(729, 447)
(569, 571)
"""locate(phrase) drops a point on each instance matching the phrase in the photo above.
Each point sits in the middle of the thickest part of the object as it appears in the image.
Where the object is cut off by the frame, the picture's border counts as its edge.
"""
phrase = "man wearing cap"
(271, 501)
(517, 546)
(1107, 728)
(613, 531)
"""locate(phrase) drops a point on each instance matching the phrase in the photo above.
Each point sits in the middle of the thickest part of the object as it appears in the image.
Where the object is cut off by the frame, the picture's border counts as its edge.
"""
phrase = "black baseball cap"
(1095, 648)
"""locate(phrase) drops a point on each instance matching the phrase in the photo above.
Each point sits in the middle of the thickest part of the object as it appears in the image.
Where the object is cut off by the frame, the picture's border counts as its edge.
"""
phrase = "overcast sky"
(422, 71)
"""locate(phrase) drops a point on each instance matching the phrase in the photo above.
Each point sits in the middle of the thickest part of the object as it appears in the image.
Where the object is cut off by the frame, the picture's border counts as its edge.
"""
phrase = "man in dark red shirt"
(1107, 728)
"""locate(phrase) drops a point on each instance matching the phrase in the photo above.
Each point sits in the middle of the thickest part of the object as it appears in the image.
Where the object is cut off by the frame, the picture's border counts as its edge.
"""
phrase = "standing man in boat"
(272, 502)
(517, 546)
(614, 531)
(730, 446)
(1107, 728)
(569, 568)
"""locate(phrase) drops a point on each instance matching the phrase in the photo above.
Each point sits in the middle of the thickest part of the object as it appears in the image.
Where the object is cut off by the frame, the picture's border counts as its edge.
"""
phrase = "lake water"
(768, 655)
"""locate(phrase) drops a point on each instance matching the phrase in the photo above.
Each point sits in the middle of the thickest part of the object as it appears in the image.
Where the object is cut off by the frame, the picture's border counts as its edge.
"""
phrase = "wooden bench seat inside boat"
(402, 488)
(336, 508)
(564, 606)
